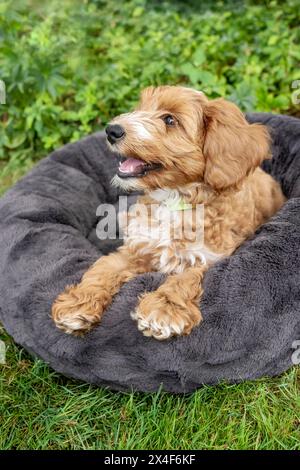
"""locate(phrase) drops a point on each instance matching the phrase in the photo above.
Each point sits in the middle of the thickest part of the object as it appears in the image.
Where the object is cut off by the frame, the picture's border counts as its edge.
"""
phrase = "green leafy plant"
(70, 66)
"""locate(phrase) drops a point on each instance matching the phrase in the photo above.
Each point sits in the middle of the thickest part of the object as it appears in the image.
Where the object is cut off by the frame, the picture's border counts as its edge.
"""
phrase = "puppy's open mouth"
(132, 167)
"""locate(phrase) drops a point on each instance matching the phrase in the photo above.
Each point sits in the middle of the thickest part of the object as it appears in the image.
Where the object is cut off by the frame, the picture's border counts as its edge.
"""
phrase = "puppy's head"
(176, 136)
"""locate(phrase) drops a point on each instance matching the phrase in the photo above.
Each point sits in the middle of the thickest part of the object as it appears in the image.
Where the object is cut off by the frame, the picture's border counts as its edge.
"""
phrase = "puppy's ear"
(232, 146)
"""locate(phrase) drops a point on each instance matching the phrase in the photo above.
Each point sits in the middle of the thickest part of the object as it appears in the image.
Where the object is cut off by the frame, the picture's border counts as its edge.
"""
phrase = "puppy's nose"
(114, 133)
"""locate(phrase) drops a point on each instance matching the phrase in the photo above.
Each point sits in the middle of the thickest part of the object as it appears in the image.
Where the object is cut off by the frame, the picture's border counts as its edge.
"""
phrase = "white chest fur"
(163, 233)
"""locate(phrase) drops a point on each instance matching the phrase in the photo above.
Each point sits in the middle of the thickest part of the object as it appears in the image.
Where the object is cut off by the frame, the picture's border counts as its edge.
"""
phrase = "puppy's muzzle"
(114, 133)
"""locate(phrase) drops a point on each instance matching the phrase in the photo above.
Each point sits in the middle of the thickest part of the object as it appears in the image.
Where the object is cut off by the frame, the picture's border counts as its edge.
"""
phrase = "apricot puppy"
(184, 152)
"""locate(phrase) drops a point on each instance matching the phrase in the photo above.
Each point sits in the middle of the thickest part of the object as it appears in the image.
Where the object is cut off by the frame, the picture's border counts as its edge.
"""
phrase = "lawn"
(68, 68)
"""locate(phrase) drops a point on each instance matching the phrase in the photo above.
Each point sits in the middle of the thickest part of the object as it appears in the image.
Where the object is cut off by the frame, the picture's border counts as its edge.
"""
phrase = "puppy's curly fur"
(182, 148)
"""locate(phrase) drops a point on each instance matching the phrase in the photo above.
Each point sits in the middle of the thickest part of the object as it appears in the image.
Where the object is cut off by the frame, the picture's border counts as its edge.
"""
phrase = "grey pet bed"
(251, 303)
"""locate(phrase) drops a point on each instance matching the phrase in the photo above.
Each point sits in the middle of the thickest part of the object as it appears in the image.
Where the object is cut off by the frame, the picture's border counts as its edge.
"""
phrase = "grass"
(40, 409)
(68, 69)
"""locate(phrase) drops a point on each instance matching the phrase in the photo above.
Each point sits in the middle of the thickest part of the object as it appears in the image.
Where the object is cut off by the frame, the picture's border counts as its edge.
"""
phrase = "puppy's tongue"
(131, 165)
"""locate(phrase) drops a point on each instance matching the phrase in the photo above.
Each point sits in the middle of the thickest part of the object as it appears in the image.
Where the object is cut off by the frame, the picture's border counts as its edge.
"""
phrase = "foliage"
(70, 66)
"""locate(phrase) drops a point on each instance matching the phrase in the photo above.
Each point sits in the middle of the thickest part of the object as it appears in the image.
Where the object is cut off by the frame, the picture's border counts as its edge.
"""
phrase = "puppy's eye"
(169, 120)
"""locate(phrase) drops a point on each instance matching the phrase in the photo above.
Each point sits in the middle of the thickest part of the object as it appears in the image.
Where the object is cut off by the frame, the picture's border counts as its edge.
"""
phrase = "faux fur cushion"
(251, 303)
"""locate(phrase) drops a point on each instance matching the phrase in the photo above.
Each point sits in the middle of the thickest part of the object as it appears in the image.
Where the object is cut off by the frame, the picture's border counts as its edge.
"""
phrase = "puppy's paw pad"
(157, 324)
(75, 312)
(76, 322)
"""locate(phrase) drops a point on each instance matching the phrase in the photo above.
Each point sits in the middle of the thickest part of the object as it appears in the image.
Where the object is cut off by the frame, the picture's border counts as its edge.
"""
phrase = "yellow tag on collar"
(179, 205)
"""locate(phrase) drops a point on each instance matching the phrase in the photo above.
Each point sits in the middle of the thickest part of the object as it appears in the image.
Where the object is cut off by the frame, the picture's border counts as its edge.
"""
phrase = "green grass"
(69, 67)
(39, 409)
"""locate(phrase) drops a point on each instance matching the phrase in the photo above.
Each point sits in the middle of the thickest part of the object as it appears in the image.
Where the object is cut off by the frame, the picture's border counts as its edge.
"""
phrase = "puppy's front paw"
(159, 316)
(76, 312)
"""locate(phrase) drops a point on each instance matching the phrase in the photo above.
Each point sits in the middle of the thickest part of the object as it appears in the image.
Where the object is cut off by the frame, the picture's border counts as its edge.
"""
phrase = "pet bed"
(251, 302)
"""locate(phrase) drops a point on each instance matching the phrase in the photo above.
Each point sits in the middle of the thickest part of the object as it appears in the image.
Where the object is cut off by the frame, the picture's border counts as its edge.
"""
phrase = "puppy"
(184, 152)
